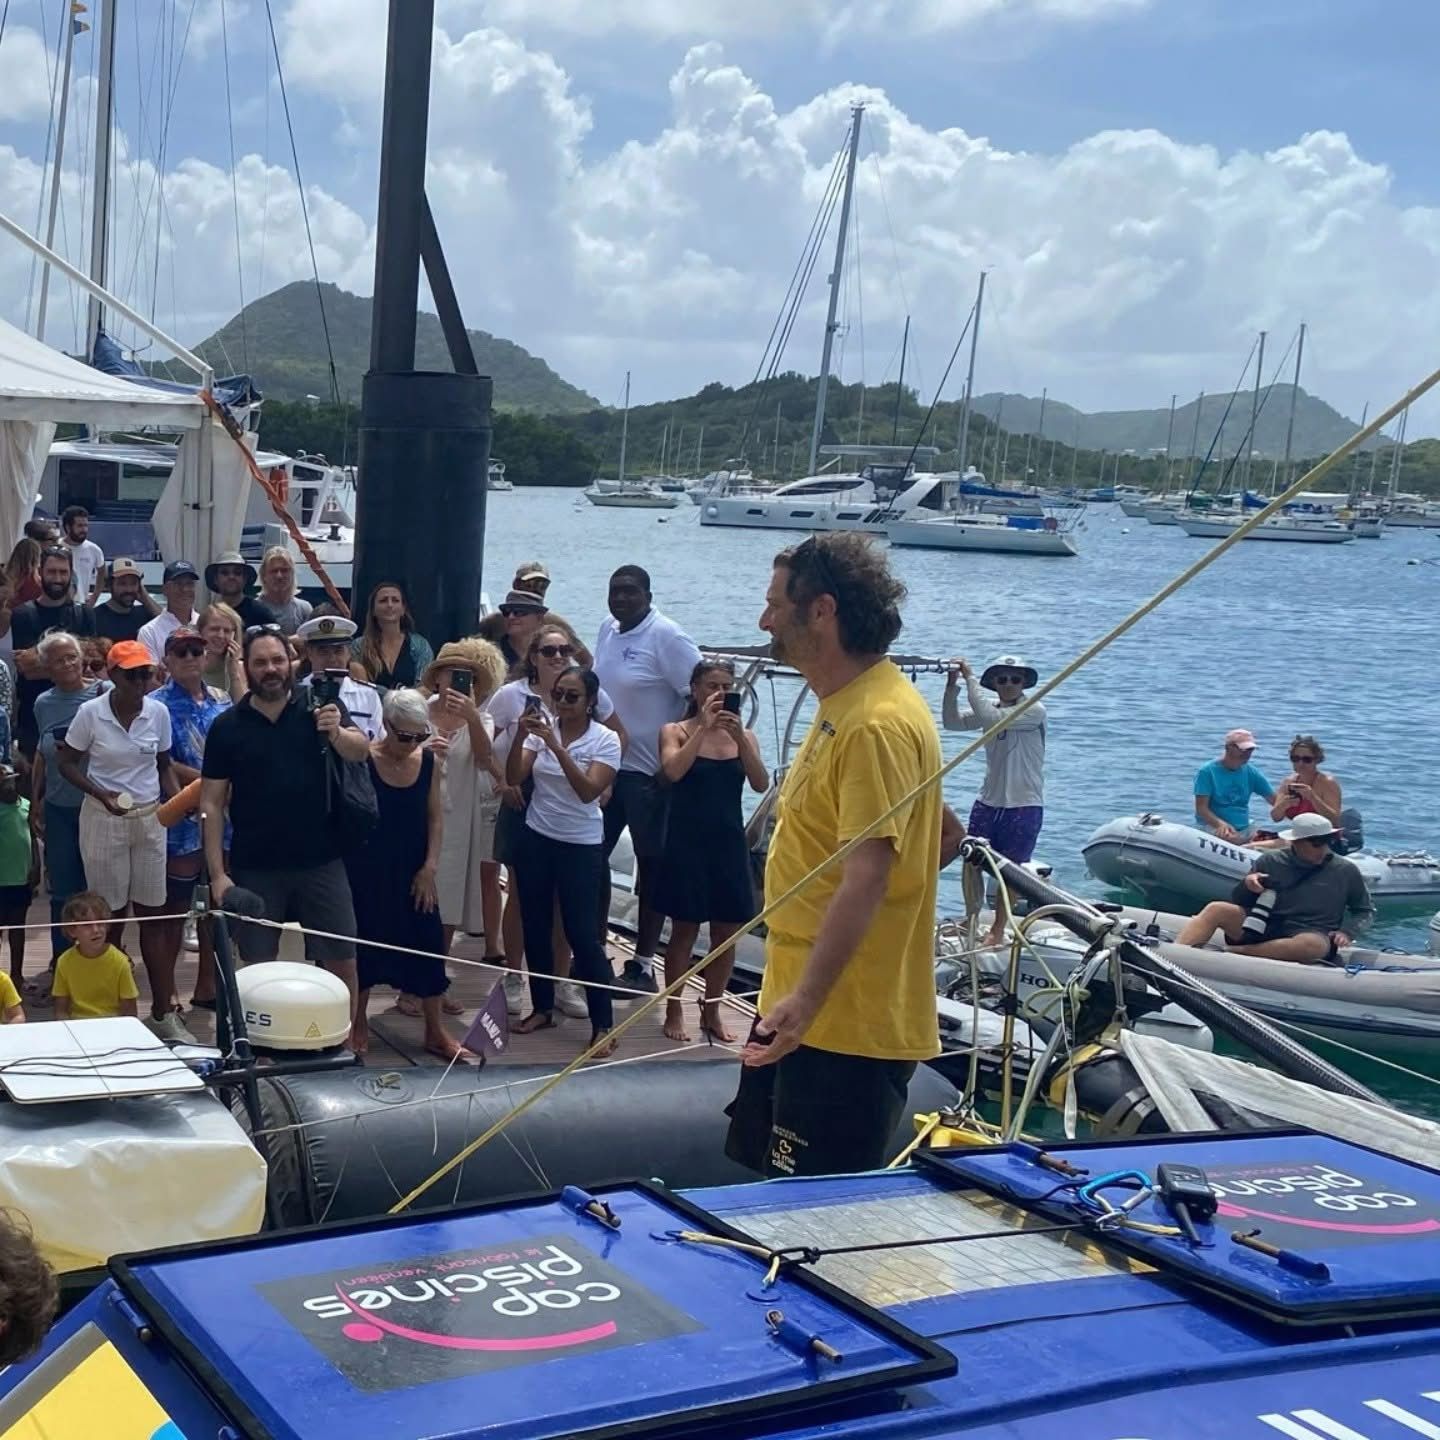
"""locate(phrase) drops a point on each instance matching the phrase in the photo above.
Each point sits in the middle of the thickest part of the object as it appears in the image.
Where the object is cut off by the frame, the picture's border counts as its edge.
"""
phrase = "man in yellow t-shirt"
(847, 1009)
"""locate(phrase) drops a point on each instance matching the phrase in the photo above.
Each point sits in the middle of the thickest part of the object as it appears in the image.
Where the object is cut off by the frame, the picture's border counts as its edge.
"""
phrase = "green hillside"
(284, 341)
(1318, 427)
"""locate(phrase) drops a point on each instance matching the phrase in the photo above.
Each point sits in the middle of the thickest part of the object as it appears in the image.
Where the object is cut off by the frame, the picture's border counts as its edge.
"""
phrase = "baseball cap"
(124, 566)
(1309, 827)
(531, 570)
(522, 602)
(128, 655)
(180, 570)
(1241, 740)
(176, 637)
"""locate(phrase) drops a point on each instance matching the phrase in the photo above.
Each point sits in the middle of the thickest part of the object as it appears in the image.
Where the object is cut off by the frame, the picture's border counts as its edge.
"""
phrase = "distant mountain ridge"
(1319, 427)
(281, 340)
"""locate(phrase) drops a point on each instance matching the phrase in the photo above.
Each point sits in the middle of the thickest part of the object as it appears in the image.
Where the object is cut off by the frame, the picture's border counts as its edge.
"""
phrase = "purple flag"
(490, 1030)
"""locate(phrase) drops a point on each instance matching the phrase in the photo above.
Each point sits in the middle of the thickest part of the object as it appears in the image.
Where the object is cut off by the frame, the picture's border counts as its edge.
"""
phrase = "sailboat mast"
(899, 385)
(699, 445)
(624, 427)
(1075, 451)
(1194, 442)
(1294, 400)
(999, 415)
(831, 325)
(1169, 436)
(1254, 414)
(70, 22)
(104, 123)
(1398, 453)
(1355, 471)
(970, 388)
(775, 457)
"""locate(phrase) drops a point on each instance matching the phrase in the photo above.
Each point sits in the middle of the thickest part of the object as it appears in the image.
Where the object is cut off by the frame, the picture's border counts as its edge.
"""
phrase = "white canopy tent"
(202, 509)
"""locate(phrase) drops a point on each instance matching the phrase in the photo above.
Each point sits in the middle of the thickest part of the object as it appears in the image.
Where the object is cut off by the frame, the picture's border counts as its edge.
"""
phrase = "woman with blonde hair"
(222, 630)
(458, 685)
(277, 590)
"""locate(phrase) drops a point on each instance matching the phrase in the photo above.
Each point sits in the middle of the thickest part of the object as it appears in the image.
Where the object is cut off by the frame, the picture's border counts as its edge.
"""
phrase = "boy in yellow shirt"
(93, 978)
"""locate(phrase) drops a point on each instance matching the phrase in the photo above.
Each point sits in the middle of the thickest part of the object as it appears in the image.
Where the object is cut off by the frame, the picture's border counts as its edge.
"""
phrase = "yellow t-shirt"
(870, 744)
(95, 987)
(9, 995)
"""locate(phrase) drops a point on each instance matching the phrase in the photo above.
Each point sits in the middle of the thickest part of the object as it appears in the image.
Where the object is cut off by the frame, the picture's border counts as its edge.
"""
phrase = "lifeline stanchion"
(1122, 627)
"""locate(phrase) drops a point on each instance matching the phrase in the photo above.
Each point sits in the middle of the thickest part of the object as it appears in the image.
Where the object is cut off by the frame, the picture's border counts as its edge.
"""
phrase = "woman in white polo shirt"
(124, 734)
(572, 762)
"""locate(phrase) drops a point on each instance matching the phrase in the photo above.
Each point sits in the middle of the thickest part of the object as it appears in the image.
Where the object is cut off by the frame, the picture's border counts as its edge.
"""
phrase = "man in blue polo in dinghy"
(1223, 788)
(1302, 903)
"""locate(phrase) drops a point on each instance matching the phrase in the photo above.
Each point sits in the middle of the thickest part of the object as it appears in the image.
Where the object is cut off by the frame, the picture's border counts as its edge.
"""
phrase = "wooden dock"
(396, 1039)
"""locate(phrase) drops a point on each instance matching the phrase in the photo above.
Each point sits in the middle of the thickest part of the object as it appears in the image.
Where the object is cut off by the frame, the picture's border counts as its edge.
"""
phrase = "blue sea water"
(1334, 640)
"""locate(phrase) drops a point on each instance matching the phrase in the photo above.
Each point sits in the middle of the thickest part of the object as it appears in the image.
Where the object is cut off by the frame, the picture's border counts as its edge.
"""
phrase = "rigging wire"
(1247, 440)
(1037, 696)
(304, 204)
(49, 137)
(234, 186)
(1220, 429)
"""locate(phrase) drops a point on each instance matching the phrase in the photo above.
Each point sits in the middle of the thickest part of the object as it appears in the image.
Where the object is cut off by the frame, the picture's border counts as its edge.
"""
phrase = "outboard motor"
(1352, 832)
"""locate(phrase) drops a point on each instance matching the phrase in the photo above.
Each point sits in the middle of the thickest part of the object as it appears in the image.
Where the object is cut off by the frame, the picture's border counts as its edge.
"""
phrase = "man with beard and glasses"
(129, 606)
(847, 1007)
(267, 761)
(644, 661)
(55, 608)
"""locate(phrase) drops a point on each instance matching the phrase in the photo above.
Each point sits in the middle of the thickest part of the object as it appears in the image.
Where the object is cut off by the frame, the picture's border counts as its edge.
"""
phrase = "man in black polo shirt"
(266, 759)
(55, 608)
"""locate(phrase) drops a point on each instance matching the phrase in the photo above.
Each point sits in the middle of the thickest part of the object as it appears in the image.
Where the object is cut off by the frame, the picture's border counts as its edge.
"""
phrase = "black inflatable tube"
(365, 1142)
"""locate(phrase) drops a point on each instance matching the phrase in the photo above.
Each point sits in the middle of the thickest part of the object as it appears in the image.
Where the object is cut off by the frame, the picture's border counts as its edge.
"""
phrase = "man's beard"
(271, 686)
(54, 589)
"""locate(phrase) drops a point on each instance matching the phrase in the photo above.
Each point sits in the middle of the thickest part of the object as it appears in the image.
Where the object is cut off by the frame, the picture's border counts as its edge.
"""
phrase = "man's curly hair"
(29, 1295)
(854, 570)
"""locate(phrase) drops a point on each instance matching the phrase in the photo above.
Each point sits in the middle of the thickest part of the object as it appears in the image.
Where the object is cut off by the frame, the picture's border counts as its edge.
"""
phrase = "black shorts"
(15, 897)
(816, 1112)
(641, 804)
(509, 835)
(316, 899)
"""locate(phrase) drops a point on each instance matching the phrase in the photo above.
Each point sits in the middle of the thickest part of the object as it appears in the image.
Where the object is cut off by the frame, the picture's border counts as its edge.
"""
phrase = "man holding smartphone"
(326, 639)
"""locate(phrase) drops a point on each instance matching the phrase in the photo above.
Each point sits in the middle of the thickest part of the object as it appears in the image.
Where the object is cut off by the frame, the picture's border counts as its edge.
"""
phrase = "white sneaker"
(191, 939)
(570, 1000)
(517, 992)
(171, 1029)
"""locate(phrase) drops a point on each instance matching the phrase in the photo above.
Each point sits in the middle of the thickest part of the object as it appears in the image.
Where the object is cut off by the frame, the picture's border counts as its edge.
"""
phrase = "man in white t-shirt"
(644, 662)
(85, 554)
(181, 577)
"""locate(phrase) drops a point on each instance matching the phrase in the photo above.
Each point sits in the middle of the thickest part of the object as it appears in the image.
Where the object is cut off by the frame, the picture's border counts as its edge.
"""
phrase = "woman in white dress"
(468, 880)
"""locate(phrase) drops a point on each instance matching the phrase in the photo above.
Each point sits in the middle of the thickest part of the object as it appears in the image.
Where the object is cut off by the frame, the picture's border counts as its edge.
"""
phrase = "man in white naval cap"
(326, 639)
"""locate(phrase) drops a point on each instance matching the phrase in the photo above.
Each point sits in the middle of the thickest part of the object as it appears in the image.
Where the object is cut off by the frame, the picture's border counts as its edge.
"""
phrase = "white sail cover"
(40, 388)
(201, 511)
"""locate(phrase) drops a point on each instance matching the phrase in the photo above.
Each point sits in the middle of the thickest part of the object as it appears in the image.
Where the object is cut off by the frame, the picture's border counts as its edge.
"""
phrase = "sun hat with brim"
(230, 557)
(482, 659)
(531, 570)
(1309, 827)
(1008, 662)
(128, 655)
(522, 602)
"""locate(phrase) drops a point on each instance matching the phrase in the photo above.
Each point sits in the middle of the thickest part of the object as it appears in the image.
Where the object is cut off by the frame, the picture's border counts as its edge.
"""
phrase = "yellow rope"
(1323, 468)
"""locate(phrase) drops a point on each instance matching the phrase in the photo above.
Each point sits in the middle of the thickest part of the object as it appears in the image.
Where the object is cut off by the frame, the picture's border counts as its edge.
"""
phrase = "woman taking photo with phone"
(571, 761)
(551, 651)
(705, 871)
(1307, 790)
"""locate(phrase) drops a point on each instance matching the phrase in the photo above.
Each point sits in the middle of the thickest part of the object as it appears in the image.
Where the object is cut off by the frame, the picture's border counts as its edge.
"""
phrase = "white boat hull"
(757, 512)
(1159, 857)
(1330, 532)
(1135, 509)
(619, 500)
(959, 534)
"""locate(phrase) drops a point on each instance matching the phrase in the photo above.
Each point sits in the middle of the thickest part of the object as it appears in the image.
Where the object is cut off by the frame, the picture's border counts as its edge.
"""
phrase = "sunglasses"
(511, 611)
(190, 650)
(1323, 841)
(1302, 760)
(1009, 679)
(251, 631)
(566, 697)
(137, 672)
(410, 737)
(556, 652)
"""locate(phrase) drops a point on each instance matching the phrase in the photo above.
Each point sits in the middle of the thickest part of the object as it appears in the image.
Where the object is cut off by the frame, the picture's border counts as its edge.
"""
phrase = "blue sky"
(1147, 181)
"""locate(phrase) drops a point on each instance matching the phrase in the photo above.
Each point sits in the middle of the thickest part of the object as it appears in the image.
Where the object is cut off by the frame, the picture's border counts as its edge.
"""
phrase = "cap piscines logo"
(1335, 1207)
(467, 1312)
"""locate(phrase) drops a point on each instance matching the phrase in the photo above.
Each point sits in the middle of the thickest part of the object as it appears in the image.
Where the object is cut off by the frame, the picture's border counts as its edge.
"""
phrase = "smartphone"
(533, 704)
(731, 702)
(462, 682)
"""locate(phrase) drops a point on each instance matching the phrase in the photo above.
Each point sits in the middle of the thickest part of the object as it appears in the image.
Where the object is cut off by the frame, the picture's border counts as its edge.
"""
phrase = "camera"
(462, 682)
(325, 688)
(1257, 922)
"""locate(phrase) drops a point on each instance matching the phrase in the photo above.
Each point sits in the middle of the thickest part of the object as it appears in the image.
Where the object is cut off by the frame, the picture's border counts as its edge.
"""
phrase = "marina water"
(1334, 640)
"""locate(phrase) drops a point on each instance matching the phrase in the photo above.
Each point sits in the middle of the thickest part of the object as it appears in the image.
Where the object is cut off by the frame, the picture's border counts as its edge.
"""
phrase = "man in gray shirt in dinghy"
(1293, 905)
